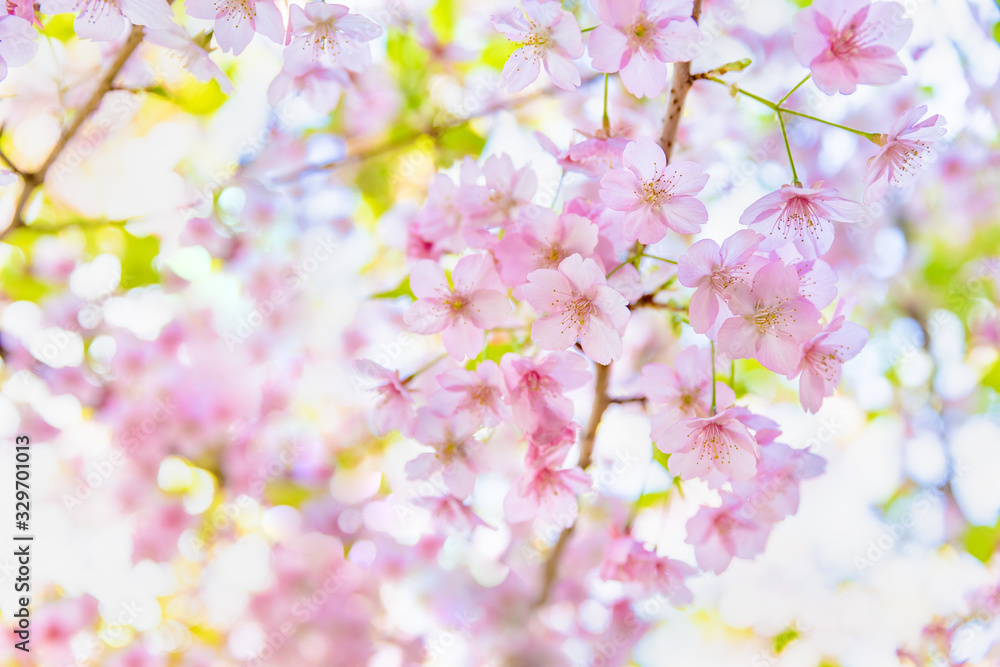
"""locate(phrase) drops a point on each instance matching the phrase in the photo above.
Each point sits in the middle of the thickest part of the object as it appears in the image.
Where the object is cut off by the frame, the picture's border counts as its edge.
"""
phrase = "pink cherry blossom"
(700, 446)
(394, 407)
(773, 493)
(549, 36)
(771, 320)
(195, 58)
(236, 21)
(817, 282)
(452, 513)
(462, 312)
(544, 491)
(577, 303)
(847, 42)
(105, 20)
(594, 156)
(655, 197)
(803, 216)
(326, 35)
(541, 241)
(639, 37)
(473, 395)
(684, 388)
(823, 358)
(505, 192)
(721, 533)
(17, 43)
(453, 456)
(535, 386)
(902, 152)
(24, 9)
(629, 561)
(713, 271)
(320, 87)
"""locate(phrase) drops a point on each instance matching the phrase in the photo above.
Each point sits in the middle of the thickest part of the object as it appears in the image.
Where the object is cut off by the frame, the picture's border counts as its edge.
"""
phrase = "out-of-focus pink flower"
(394, 407)
(594, 156)
(721, 533)
(902, 152)
(535, 386)
(453, 456)
(577, 304)
(195, 58)
(462, 312)
(321, 87)
(326, 35)
(684, 388)
(550, 36)
(17, 43)
(803, 216)
(101, 20)
(823, 358)
(236, 21)
(655, 197)
(542, 241)
(773, 493)
(713, 271)
(627, 560)
(544, 491)
(473, 395)
(24, 9)
(639, 37)
(506, 190)
(699, 446)
(847, 42)
(452, 513)
(770, 319)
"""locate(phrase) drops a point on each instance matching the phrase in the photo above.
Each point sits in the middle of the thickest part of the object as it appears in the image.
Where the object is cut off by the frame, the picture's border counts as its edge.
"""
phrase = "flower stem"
(588, 29)
(867, 135)
(605, 120)
(711, 344)
(662, 259)
(797, 86)
(788, 149)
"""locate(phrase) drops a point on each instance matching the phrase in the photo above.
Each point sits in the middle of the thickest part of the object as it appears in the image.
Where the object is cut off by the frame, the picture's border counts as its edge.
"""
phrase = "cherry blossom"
(536, 386)
(722, 533)
(105, 20)
(462, 312)
(770, 319)
(684, 388)
(798, 215)
(629, 561)
(394, 409)
(713, 270)
(847, 42)
(577, 304)
(699, 446)
(549, 36)
(453, 456)
(902, 152)
(326, 35)
(545, 492)
(823, 358)
(236, 21)
(655, 197)
(542, 241)
(473, 395)
(17, 43)
(639, 37)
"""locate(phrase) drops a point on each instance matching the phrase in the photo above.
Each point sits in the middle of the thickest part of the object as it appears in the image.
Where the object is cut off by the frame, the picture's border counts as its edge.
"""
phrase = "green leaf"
(660, 457)
(784, 638)
(282, 492)
(402, 289)
(497, 51)
(981, 541)
(442, 18)
(59, 26)
(996, 32)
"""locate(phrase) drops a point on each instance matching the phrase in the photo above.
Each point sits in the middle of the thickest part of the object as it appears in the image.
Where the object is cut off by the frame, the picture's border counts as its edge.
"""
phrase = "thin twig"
(34, 179)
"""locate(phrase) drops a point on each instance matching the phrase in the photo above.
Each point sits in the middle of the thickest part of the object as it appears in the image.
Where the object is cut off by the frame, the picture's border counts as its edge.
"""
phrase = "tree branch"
(34, 179)
(678, 93)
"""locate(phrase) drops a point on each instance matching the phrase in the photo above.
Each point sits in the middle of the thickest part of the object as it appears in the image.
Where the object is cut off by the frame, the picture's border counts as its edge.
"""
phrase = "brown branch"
(678, 92)
(601, 403)
(34, 179)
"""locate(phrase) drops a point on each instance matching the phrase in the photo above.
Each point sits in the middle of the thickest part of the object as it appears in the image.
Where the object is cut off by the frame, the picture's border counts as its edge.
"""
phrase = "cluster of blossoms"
(525, 304)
